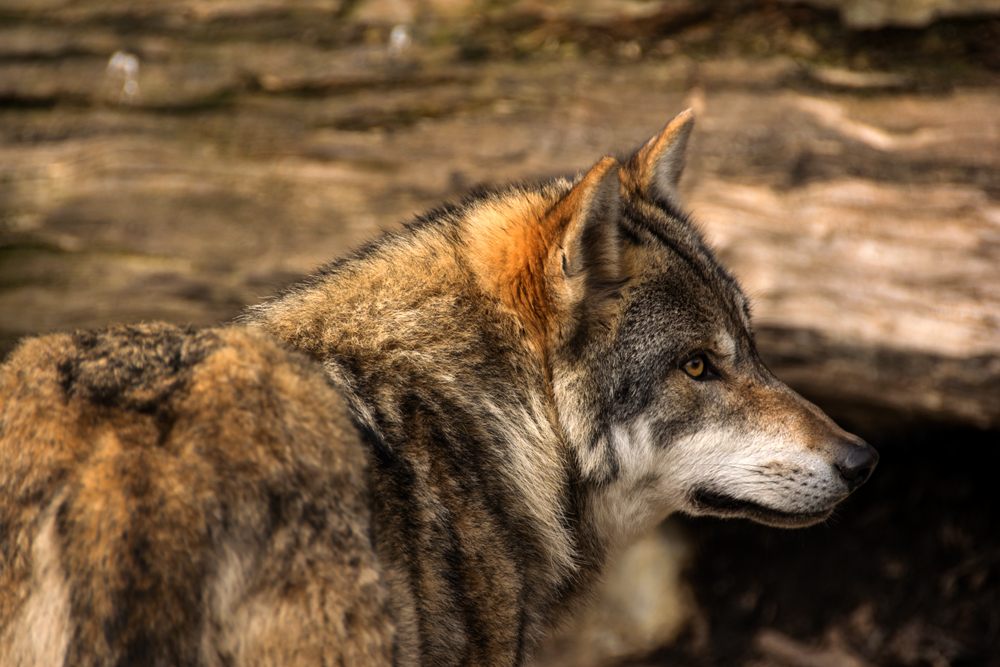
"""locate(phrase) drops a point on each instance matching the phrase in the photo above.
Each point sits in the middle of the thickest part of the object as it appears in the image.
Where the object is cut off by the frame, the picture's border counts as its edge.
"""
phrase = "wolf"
(424, 454)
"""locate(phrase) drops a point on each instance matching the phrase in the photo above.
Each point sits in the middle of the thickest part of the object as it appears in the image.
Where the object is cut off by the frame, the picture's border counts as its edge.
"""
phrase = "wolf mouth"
(721, 504)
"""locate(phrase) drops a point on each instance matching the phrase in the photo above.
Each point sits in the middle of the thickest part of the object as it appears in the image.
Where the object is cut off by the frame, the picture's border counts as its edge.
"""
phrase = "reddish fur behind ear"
(520, 251)
(510, 251)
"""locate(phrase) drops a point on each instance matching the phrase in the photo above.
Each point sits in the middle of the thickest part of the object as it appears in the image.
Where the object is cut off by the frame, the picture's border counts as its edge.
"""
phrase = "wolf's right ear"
(655, 169)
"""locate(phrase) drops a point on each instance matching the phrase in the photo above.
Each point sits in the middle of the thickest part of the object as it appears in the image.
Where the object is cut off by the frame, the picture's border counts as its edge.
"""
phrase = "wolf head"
(658, 387)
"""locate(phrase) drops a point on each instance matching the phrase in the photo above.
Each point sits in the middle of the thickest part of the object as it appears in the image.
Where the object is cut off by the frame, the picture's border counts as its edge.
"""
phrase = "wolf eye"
(695, 366)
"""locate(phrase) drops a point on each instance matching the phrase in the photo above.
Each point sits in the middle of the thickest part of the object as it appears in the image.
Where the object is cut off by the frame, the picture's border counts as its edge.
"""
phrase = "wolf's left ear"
(586, 267)
(590, 242)
(655, 169)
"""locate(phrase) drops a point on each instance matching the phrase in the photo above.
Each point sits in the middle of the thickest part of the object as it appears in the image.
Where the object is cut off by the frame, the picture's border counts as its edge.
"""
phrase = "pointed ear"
(655, 169)
(586, 270)
(590, 242)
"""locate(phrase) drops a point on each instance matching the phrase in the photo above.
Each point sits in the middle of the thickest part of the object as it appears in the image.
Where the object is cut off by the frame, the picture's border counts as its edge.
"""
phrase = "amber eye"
(695, 366)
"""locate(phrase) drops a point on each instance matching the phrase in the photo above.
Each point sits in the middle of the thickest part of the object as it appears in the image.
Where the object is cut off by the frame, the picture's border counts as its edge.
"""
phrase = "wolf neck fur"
(398, 378)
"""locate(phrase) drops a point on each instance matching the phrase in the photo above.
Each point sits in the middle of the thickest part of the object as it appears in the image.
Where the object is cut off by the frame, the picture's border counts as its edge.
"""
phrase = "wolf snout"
(855, 461)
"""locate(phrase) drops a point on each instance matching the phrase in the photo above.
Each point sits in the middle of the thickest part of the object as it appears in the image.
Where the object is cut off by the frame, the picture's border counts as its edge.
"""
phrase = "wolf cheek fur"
(533, 377)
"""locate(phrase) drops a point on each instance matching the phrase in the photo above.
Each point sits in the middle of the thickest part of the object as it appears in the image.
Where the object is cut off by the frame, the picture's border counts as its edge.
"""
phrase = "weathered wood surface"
(876, 294)
(860, 209)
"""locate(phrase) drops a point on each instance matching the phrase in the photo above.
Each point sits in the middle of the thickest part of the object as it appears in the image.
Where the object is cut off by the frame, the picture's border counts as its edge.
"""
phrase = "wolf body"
(425, 454)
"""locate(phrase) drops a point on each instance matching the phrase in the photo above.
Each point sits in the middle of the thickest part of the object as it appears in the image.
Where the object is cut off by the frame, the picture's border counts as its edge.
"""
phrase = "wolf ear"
(655, 169)
(590, 242)
(586, 267)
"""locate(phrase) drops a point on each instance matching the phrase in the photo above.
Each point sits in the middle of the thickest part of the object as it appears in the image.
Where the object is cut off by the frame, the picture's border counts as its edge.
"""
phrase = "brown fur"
(181, 488)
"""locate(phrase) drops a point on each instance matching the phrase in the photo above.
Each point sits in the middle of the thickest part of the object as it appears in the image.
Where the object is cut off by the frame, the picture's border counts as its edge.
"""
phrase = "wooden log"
(878, 299)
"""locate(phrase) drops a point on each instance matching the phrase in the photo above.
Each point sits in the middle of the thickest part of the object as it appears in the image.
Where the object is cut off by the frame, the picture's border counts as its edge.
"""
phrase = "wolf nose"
(857, 463)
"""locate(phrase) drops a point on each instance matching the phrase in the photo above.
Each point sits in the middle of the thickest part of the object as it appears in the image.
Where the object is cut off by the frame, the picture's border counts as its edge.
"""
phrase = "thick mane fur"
(462, 283)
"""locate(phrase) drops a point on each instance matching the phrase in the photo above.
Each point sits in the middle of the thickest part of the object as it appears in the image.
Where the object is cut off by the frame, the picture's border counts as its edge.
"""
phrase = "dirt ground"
(851, 179)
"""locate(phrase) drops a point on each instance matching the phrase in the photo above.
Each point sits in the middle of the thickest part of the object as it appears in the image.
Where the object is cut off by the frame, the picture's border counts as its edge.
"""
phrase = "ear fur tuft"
(655, 169)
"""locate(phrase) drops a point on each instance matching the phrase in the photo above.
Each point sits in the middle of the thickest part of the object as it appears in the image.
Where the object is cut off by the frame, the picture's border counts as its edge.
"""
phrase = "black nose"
(857, 461)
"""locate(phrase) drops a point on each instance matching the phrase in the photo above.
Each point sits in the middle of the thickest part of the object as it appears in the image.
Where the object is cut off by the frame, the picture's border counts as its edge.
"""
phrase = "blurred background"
(181, 159)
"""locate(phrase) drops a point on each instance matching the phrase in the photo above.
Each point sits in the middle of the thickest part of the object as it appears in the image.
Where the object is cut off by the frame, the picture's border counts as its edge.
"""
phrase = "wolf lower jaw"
(716, 503)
